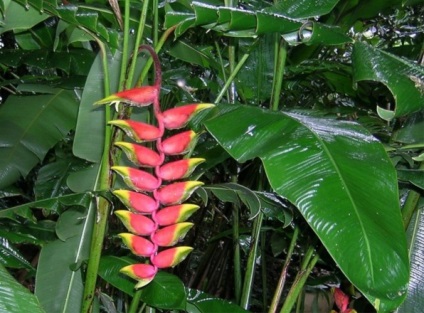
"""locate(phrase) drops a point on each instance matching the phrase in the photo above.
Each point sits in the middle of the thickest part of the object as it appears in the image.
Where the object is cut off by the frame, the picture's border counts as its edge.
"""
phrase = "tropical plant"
(313, 155)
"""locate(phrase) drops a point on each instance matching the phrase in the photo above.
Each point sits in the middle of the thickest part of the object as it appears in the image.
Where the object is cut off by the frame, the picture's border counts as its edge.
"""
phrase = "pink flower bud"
(136, 201)
(136, 223)
(170, 257)
(179, 169)
(138, 245)
(176, 192)
(138, 131)
(140, 155)
(141, 96)
(180, 143)
(170, 235)
(175, 214)
(137, 179)
(179, 117)
(143, 273)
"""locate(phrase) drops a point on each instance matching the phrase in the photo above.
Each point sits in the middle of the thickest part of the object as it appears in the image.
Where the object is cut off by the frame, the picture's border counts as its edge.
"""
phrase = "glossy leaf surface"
(15, 298)
(201, 302)
(404, 79)
(343, 183)
(166, 291)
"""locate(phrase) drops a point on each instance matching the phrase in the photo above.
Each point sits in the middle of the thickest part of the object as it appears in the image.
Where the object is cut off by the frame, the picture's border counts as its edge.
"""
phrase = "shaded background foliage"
(339, 62)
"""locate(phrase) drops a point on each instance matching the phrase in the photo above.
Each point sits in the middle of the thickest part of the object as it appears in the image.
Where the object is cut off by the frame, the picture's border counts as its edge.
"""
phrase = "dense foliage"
(313, 176)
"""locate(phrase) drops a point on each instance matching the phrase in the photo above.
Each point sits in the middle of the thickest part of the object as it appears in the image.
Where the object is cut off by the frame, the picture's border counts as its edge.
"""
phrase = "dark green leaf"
(59, 284)
(109, 268)
(14, 297)
(201, 302)
(304, 8)
(26, 138)
(12, 257)
(343, 183)
(166, 291)
(416, 177)
(404, 79)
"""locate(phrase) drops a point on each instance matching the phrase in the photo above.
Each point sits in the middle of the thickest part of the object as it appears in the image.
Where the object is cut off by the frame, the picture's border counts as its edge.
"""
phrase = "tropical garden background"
(313, 179)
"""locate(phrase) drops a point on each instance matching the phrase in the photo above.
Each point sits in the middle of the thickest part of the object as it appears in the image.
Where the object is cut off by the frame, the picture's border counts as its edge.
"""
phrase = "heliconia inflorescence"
(156, 217)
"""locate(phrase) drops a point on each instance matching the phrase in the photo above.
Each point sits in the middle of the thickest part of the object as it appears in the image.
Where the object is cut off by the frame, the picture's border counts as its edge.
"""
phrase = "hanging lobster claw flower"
(179, 117)
(180, 143)
(177, 192)
(178, 169)
(136, 223)
(175, 214)
(170, 257)
(136, 201)
(170, 235)
(138, 245)
(141, 96)
(143, 273)
(140, 155)
(138, 131)
(137, 179)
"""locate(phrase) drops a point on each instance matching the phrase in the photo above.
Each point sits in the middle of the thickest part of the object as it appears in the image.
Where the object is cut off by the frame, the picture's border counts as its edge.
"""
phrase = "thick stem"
(103, 183)
(124, 61)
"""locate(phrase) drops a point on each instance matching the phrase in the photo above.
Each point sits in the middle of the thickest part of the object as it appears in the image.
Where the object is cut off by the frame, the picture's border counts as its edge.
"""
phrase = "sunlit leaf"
(14, 297)
(343, 183)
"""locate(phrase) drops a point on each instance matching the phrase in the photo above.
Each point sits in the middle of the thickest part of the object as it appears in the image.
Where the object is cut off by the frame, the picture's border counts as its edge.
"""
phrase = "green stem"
(140, 32)
(124, 61)
(299, 283)
(411, 204)
(279, 73)
(264, 271)
(236, 245)
(231, 77)
(103, 183)
(155, 27)
(135, 302)
(283, 276)
(251, 261)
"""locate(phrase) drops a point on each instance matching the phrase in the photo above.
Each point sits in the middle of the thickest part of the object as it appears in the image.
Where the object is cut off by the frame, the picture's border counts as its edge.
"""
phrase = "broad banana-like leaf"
(15, 298)
(341, 180)
(29, 127)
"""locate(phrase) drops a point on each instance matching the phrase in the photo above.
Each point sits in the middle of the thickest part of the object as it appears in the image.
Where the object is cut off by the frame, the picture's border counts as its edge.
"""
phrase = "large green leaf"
(29, 127)
(14, 298)
(59, 283)
(304, 8)
(201, 302)
(343, 183)
(12, 257)
(109, 268)
(404, 79)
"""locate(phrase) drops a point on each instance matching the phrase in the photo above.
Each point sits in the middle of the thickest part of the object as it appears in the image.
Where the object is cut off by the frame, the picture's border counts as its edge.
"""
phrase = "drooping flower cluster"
(156, 216)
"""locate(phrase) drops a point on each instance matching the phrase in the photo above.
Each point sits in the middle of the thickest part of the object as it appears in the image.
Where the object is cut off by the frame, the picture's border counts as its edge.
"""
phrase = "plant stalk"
(283, 276)
(251, 261)
(279, 74)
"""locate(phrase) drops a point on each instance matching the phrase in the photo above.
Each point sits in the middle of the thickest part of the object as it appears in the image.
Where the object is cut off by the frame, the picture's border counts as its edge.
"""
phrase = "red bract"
(179, 117)
(141, 96)
(138, 245)
(136, 223)
(170, 257)
(138, 131)
(176, 192)
(175, 214)
(140, 155)
(178, 169)
(153, 226)
(137, 179)
(169, 236)
(179, 144)
(136, 201)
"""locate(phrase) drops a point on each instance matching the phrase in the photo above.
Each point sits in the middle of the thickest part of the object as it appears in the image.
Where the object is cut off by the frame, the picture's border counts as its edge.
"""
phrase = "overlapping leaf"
(404, 79)
(29, 127)
(343, 183)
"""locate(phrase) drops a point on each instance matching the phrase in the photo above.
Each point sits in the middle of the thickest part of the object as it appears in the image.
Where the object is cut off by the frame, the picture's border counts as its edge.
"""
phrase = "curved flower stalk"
(156, 216)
